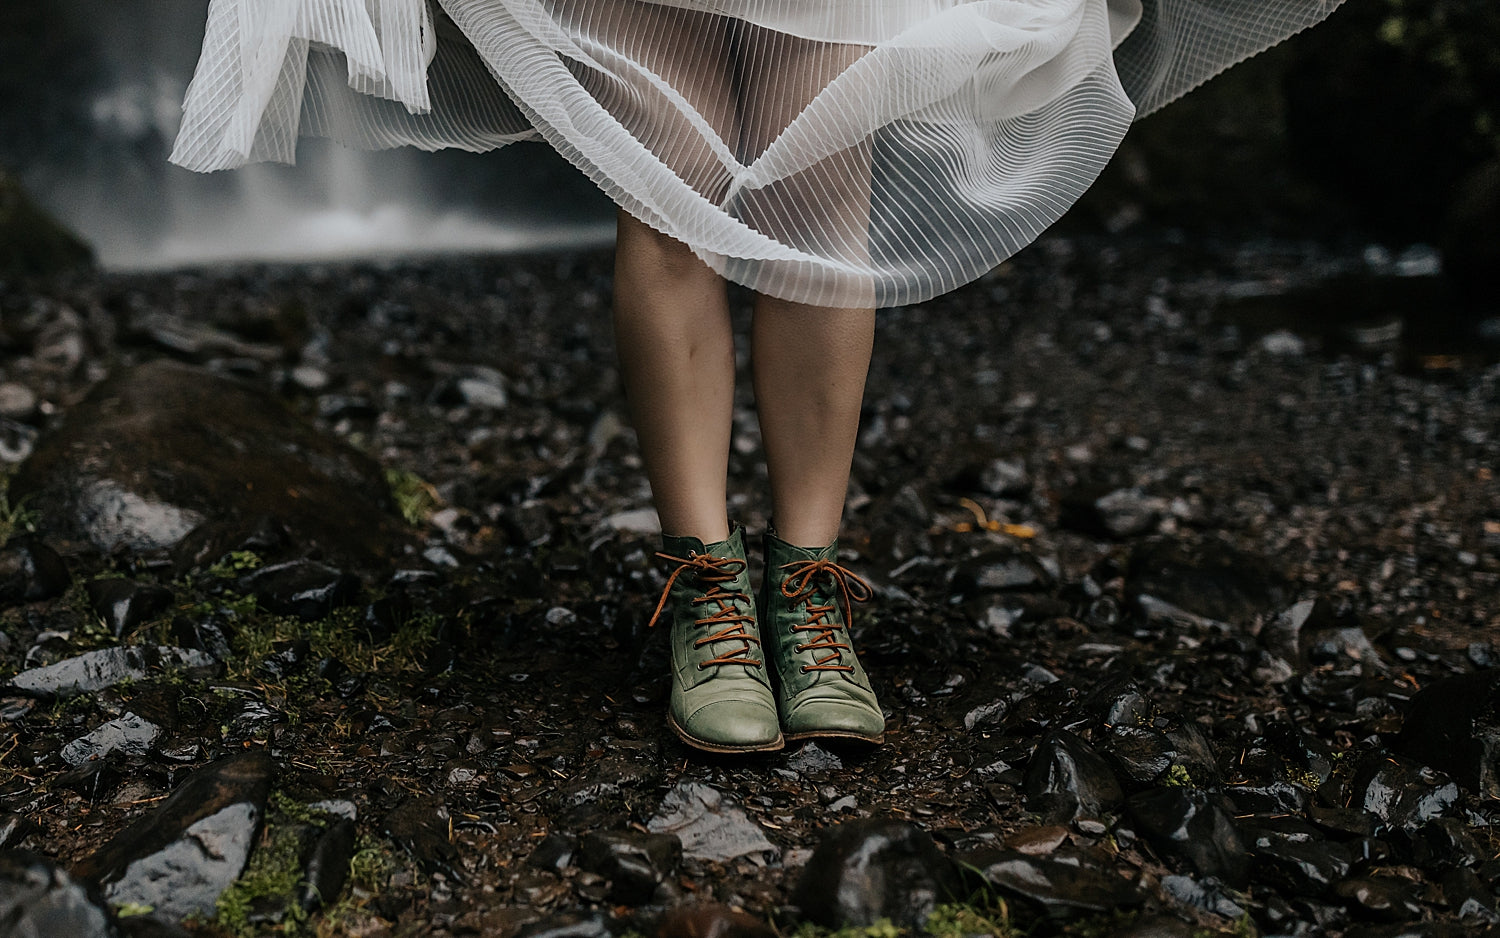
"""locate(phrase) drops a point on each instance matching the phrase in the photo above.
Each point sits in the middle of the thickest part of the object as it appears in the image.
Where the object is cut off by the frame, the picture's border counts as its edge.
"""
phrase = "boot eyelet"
(803, 669)
(800, 648)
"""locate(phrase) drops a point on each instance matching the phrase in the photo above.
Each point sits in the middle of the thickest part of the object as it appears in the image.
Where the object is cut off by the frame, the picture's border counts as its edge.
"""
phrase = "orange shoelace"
(716, 571)
(800, 585)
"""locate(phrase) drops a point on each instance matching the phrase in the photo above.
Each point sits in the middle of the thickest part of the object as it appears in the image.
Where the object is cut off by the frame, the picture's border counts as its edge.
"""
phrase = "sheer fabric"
(830, 152)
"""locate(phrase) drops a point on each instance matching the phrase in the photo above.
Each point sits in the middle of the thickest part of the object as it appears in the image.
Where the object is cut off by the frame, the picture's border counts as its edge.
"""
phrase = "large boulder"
(33, 243)
(158, 449)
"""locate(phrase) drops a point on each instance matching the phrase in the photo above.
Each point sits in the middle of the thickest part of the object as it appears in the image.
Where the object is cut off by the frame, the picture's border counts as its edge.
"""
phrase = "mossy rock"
(33, 243)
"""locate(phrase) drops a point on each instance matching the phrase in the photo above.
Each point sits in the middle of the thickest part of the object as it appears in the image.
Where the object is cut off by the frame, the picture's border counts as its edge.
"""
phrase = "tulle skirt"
(829, 152)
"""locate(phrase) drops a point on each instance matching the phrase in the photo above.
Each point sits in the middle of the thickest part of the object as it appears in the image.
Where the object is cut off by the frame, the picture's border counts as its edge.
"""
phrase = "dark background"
(1380, 125)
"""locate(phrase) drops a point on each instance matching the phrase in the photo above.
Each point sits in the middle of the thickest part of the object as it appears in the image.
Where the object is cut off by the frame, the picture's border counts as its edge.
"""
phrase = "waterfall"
(99, 161)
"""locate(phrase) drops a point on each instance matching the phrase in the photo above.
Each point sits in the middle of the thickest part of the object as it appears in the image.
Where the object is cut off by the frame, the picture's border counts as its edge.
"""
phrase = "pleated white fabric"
(830, 152)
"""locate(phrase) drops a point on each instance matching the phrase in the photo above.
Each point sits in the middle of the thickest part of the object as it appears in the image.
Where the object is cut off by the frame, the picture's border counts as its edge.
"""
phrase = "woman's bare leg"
(810, 362)
(672, 326)
(676, 348)
(810, 368)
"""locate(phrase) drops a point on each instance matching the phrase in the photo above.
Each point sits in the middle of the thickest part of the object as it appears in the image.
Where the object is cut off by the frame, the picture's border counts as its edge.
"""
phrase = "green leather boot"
(821, 688)
(721, 694)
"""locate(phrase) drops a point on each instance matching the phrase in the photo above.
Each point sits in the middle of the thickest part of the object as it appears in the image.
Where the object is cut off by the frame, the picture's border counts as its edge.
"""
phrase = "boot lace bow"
(714, 572)
(801, 586)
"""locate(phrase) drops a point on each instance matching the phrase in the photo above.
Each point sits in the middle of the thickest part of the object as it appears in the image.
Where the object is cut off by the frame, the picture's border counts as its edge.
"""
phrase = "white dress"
(831, 152)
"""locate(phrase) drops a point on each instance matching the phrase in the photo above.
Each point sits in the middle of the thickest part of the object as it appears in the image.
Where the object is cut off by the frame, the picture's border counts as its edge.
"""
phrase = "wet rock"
(211, 633)
(128, 734)
(155, 449)
(634, 863)
(32, 242)
(1454, 726)
(40, 900)
(286, 659)
(126, 605)
(569, 926)
(813, 759)
(711, 920)
(986, 716)
(1140, 755)
(17, 401)
(555, 852)
(1469, 898)
(1301, 868)
(1207, 895)
(1000, 571)
(1067, 778)
(1037, 841)
(420, 826)
(96, 670)
(303, 588)
(710, 825)
(1060, 889)
(867, 870)
(1195, 826)
(1403, 795)
(1192, 749)
(1382, 898)
(1278, 797)
(327, 868)
(215, 540)
(1444, 844)
(30, 571)
(1207, 578)
(180, 857)
(13, 829)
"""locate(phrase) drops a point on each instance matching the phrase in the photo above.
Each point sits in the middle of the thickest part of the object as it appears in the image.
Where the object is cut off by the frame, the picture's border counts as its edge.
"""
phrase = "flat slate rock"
(710, 825)
(96, 670)
(157, 449)
(179, 858)
(38, 899)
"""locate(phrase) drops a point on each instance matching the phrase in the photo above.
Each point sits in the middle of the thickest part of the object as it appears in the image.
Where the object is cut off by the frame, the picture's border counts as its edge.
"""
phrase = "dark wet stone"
(211, 633)
(1192, 749)
(1278, 797)
(383, 617)
(286, 659)
(128, 734)
(1138, 754)
(1115, 513)
(1195, 826)
(1282, 633)
(710, 825)
(1454, 726)
(986, 716)
(569, 926)
(1041, 710)
(30, 571)
(1302, 868)
(1469, 898)
(1341, 648)
(126, 605)
(1207, 895)
(251, 718)
(13, 829)
(327, 868)
(813, 759)
(1403, 795)
(93, 780)
(1208, 578)
(178, 858)
(1067, 778)
(554, 852)
(1155, 926)
(1037, 841)
(1382, 898)
(214, 540)
(1061, 890)
(420, 826)
(1000, 571)
(157, 448)
(1444, 844)
(40, 900)
(634, 863)
(1341, 820)
(711, 920)
(303, 588)
(867, 870)
(96, 670)
(345, 683)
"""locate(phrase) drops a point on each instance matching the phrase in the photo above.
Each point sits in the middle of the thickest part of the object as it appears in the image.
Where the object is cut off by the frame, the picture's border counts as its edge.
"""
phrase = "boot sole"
(875, 740)
(778, 743)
